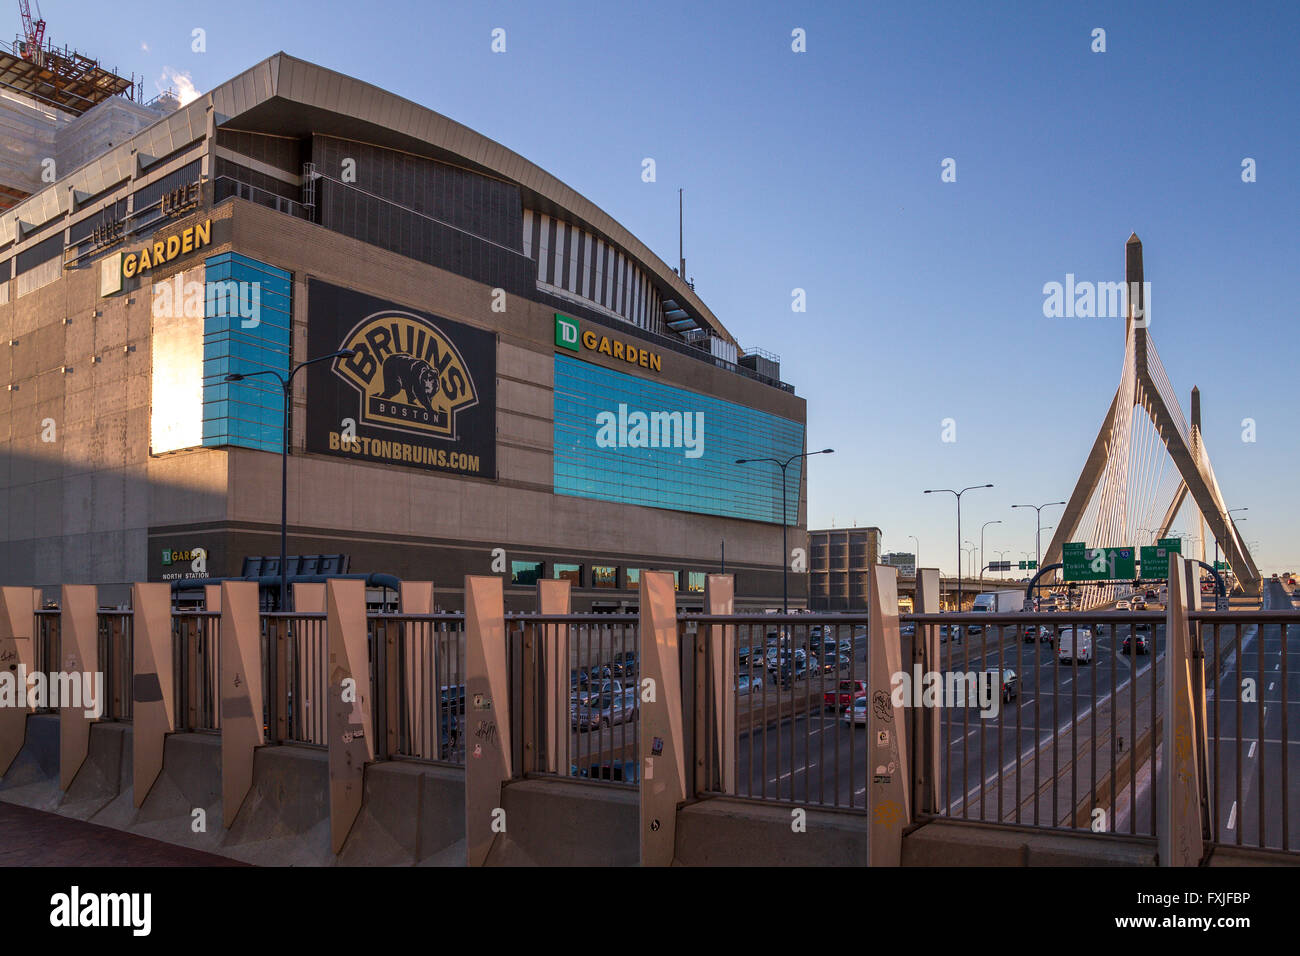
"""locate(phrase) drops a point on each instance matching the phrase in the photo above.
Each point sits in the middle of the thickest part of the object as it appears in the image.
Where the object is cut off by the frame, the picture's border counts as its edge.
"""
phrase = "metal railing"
(197, 670)
(116, 657)
(418, 664)
(1046, 721)
(295, 709)
(47, 652)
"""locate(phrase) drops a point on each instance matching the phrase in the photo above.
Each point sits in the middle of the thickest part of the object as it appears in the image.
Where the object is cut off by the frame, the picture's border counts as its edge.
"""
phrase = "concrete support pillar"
(554, 597)
(79, 653)
(153, 691)
(351, 720)
(720, 641)
(662, 746)
(17, 653)
(487, 727)
(925, 720)
(1178, 813)
(888, 792)
(239, 635)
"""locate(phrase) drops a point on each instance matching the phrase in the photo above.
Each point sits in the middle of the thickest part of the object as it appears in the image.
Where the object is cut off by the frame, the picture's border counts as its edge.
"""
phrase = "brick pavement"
(35, 838)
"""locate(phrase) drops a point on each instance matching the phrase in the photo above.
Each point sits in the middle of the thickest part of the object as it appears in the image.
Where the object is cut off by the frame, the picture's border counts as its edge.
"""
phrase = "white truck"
(1000, 602)
(996, 602)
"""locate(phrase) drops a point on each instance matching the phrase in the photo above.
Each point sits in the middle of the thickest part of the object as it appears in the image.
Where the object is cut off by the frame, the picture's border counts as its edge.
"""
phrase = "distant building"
(903, 560)
(838, 562)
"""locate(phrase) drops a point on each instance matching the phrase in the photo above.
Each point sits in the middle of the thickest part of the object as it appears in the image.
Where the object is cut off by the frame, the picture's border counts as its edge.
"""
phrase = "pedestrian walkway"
(36, 838)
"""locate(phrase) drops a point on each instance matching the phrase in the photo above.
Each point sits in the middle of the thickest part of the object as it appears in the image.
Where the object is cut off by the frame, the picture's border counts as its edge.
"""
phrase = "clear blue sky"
(821, 171)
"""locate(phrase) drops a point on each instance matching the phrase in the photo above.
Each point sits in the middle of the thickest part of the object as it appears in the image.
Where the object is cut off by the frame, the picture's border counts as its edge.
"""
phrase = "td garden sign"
(124, 265)
(418, 390)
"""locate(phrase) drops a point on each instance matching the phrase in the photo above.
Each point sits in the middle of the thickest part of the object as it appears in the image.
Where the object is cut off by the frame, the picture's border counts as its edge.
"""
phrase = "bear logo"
(411, 375)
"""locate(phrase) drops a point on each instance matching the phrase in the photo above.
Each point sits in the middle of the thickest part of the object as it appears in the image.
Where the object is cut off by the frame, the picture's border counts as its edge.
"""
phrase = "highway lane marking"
(1050, 735)
(1232, 817)
(1250, 755)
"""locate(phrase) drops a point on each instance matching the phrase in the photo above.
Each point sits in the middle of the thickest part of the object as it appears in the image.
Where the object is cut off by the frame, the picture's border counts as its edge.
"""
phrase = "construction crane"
(33, 31)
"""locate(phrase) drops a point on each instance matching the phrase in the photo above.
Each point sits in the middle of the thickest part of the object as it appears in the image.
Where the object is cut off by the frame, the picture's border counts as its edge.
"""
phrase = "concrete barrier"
(412, 815)
(726, 832)
(564, 823)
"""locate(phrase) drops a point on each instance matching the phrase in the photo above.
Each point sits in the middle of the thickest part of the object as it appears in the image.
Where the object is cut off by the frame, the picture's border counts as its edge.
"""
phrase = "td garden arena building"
(530, 392)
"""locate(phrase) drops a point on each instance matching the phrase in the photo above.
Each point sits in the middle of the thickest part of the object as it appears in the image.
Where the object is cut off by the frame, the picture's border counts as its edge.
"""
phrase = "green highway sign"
(1028, 565)
(1097, 564)
(1172, 544)
(1155, 562)
(1220, 565)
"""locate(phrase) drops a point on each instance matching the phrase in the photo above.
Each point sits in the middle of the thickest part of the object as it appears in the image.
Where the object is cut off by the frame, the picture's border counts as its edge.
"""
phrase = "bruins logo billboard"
(418, 390)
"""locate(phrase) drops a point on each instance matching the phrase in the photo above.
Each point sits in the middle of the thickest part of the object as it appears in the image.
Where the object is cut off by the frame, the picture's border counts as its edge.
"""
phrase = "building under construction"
(58, 108)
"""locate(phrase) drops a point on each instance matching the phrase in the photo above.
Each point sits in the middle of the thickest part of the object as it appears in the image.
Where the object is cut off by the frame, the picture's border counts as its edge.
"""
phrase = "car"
(607, 709)
(1006, 677)
(748, 683)
(833, 663)
(1150, 595)
(857, 713)
(844, 694)
(974, 628)
(907, 630)
(1030, 633)
(597, 689)
(1137, 640)
(1123, 606)
(1139, 604)
(1074, 645)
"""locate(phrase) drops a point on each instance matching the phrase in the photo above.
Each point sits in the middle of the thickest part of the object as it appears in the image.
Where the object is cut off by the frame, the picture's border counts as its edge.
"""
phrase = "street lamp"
(785, 557)
(286, 386)
(1038, 537)
(982, 527)
(1002, 557)
(957, 494)
(970, 560)
(1229, 524)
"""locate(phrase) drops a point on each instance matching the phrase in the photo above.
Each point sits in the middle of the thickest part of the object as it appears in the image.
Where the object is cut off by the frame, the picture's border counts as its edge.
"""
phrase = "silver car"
(605, 710)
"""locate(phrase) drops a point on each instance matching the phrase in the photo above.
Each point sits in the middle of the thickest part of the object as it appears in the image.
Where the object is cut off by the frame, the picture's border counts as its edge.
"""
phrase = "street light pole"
(957, 494)
(1038, 537)
(785, 554)
(1227, 525)
(916, 555)
(982, 527)
(286, 387)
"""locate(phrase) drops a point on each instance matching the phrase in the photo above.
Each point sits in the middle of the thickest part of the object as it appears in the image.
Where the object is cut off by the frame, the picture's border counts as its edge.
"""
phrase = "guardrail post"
(79, 645)
(17, 646)
(662, 756)
(153, 699)
(1179, 809)
(239, 635)
(720, 598)
(553, 597)
(925, 720)
(351, 724)
(411, 668)
(487, 707)
(888, 792)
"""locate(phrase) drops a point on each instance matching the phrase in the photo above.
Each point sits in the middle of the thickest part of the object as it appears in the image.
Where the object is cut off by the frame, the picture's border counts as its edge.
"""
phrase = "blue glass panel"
(681, 456)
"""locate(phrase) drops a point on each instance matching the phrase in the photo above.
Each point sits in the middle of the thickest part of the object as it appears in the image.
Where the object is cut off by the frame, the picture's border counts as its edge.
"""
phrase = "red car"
(842, 697)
